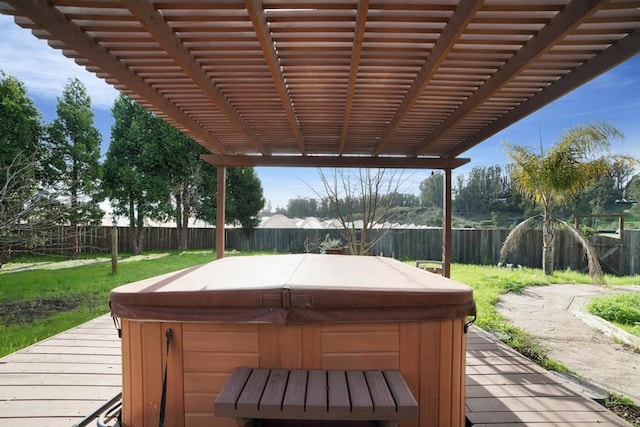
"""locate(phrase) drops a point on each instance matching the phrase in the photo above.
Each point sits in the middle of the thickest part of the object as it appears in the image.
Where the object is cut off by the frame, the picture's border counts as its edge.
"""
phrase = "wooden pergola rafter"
(326, 83)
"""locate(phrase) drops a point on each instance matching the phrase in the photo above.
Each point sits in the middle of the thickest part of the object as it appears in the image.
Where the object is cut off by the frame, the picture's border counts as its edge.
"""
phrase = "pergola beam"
(458, 22)
(622, 50)
(46, 16)
(560, 25)
(335, 161)
(259, 21)
(155, 24)
(356, 52)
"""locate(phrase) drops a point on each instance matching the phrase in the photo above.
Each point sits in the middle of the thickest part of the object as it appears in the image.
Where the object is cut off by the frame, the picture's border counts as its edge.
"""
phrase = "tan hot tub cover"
(295, 289)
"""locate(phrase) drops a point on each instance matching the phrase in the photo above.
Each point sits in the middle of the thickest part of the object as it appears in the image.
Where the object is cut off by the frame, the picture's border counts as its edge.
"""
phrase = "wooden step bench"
(325, 395)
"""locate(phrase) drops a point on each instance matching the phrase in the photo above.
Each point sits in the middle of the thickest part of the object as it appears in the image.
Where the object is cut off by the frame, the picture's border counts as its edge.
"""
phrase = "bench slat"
(383, 402)
(317, 392)
(339, 402)
(405, 402)
(249, 399)
(271, 402)
(226, 402)
(359, 393)
(294, 397)
(317, 395)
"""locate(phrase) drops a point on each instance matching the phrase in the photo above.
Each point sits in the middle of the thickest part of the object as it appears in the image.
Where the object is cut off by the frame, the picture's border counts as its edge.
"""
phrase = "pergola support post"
(220, 206)
(446, 224)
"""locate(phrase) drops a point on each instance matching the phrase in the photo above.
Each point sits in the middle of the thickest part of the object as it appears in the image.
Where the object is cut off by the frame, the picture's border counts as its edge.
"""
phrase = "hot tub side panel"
(430, 355)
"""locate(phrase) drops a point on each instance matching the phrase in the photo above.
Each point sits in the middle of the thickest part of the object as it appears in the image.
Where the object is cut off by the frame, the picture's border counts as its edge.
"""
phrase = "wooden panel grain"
(360, 346)
(410, 360)
(446, 370)
(428, 398)
(219, 341)
(218, 362)
(199, 403)
(360, 327)
(137, 390)
(175, 375)
(346, 361)
(290, 346)
(269, 351)
(126, 371)
(204, 382)
(312, 347)
(152, 348)
(360, 341)
(220, 327)
(457, 375)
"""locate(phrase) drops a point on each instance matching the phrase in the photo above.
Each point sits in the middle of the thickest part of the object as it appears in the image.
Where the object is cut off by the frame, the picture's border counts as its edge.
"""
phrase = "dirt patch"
(629, 413)
(547, 313)
(26, 311)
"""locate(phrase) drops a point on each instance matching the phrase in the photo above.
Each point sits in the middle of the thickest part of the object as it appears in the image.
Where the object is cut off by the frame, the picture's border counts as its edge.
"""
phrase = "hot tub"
(295, 312)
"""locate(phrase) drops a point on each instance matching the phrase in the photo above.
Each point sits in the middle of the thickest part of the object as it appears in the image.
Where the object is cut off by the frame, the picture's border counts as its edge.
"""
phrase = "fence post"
(114, 248)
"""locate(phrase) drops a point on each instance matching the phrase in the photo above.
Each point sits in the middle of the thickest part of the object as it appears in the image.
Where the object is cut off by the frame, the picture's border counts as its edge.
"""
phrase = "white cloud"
(44, 70)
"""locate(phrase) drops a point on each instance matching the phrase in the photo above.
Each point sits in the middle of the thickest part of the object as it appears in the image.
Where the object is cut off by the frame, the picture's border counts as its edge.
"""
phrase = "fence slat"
(470, 246)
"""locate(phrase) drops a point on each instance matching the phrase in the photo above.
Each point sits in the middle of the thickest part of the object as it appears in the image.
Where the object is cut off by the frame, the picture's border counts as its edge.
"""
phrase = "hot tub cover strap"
(163, 398)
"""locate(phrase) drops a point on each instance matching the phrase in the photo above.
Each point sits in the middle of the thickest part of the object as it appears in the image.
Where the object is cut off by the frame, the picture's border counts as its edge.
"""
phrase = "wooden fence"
(470, 246)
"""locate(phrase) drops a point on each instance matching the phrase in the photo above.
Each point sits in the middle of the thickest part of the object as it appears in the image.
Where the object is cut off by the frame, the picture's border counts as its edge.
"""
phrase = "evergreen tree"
(74, 168)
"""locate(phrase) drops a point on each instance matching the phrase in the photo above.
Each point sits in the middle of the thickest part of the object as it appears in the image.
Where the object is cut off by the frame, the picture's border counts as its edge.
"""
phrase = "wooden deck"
(59, 381)
(504, 388)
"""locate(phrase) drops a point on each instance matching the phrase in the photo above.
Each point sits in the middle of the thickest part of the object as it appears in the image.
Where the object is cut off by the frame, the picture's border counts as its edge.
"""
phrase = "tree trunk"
(548, 246)
(139, 232)
(73, 241)
(182, 219)
(133, 238)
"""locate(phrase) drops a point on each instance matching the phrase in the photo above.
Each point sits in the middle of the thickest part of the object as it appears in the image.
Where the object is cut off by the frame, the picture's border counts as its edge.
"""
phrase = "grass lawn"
(623, 310)
(38, 303)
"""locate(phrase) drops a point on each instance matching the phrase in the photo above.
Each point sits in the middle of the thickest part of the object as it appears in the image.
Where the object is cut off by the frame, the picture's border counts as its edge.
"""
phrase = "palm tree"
(553, 178)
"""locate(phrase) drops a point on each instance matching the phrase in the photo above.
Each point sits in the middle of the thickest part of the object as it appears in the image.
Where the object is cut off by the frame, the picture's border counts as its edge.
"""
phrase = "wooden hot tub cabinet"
(292, 312)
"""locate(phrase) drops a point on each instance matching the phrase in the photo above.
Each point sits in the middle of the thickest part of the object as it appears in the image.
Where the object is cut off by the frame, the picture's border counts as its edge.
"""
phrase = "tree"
(134, 171)
(28, 210)
(74, 167)
(632, 194)
(244, 196)
(484, 190)
(431, 190)
(553, 178)
(359, 195)
(154, 171)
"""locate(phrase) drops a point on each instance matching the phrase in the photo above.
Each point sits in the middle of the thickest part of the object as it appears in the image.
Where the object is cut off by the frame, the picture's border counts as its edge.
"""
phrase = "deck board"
(504, 388)
(59, 381)
(62, 379)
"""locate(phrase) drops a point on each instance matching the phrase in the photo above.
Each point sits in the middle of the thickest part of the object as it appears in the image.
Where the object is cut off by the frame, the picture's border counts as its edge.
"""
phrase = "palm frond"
(514, 236)
(595, 270)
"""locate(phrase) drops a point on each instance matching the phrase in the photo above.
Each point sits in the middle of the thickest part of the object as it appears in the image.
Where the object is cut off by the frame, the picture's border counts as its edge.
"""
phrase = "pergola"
(333, 83)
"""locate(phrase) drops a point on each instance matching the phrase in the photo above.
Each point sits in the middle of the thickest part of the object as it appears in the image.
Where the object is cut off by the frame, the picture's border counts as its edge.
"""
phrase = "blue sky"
(613, 97)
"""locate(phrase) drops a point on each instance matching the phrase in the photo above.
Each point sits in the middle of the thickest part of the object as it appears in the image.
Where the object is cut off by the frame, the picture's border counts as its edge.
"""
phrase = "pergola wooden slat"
(332, 83)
